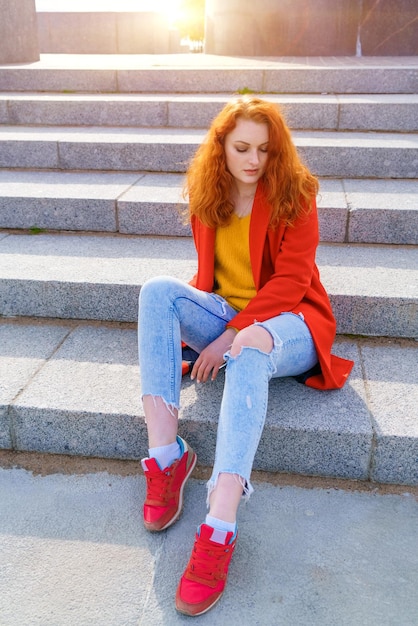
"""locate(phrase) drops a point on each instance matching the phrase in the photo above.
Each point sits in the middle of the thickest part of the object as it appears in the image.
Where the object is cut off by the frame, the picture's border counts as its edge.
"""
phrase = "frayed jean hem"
(247, 488)
(170, 406)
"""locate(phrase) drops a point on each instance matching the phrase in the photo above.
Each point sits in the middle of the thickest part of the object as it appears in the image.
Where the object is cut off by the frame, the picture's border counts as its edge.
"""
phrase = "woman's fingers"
(203, 368)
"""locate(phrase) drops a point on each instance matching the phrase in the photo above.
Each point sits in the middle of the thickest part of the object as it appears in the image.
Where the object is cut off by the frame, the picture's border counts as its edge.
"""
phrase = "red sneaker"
(204, 578)
(164, 499)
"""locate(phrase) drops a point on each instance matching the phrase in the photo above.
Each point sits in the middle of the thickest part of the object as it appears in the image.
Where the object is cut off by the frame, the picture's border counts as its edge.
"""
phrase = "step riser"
(355, 315)
(337, 225)
(59, 432)
(280, 450)
(201, 80)
(333, 113)
(374, 317)
(326, 160)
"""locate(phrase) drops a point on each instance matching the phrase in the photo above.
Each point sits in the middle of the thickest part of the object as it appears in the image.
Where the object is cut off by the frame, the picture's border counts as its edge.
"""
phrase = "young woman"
(256, 304)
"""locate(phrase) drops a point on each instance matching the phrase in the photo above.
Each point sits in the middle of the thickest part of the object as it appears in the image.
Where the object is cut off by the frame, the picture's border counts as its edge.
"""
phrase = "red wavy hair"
(288, 184)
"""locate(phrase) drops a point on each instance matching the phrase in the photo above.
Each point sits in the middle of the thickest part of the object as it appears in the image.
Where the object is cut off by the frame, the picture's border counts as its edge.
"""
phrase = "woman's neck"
(243, 190)
(243, 198)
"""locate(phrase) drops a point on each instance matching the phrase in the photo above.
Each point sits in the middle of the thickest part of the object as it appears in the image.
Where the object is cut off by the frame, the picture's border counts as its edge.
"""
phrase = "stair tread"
(204, 98)
(351, 433)
(158, 62)
(56, 184)
(219, 62)
(103, 134)
(200, 73)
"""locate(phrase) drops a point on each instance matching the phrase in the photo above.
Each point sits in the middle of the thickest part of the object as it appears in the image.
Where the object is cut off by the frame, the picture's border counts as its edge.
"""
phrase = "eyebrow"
(248, 144)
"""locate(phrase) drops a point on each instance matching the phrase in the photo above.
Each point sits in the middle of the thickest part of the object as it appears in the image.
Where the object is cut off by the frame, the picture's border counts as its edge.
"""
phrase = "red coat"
(286, 279)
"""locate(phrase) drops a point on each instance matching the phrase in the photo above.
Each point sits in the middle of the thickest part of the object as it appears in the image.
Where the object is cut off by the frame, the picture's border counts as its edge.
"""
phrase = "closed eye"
(264, 149)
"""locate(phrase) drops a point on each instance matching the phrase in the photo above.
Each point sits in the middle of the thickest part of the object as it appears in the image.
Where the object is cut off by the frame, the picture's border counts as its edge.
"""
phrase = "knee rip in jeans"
(230, 358)
(241, 342)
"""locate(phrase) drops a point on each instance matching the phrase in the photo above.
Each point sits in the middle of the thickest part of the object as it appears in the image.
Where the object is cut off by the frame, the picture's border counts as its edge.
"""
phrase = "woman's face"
(246, 151)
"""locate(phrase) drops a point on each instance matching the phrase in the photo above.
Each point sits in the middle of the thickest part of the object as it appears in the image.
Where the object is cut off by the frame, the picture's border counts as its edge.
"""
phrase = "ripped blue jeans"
(171, 311)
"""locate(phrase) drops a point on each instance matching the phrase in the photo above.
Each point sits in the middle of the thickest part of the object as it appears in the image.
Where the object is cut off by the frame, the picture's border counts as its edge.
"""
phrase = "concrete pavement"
(74, 551)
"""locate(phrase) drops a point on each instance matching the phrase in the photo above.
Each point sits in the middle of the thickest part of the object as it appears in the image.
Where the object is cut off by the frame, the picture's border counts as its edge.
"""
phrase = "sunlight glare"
(170, 8)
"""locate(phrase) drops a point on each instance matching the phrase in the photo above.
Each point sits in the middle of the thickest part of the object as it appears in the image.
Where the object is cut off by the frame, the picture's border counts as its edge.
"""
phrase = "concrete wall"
(233, 27)
(311, 27)
(18, 32)
(389, 27)
(106, 33)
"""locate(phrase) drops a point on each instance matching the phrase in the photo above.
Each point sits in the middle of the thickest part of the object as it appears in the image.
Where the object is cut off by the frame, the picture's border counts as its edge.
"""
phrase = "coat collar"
(205, 242)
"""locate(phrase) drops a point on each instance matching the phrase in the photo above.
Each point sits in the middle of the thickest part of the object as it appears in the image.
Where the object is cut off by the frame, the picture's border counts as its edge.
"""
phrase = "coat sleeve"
(286, 275)
(204, 241)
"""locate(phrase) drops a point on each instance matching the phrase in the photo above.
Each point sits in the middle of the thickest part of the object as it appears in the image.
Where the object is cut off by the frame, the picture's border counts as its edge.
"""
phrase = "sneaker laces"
(159, 483)
(207, 561)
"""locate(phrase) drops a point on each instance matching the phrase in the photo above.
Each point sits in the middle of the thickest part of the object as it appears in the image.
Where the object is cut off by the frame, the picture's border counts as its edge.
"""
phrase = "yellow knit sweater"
(233, 276)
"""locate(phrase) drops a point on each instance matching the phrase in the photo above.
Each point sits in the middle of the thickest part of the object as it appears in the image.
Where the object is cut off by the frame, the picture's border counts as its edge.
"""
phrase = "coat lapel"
(260, 218)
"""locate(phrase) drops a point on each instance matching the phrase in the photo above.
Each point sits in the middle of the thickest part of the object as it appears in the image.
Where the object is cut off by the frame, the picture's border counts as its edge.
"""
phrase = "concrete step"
(374, 112)
(373, 289)
(202, 73)
(350, 210)
(74, 389)
(333, 154)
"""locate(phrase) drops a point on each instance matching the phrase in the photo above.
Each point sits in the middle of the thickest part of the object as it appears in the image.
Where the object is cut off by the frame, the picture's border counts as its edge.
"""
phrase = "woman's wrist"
(228, 336)
(230, 333)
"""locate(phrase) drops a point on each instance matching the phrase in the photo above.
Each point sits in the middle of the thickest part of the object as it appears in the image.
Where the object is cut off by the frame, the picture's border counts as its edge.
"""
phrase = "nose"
(254, 158)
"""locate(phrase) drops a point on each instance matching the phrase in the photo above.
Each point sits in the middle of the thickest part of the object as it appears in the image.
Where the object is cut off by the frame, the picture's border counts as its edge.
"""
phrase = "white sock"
(219, 524)
(165, 455)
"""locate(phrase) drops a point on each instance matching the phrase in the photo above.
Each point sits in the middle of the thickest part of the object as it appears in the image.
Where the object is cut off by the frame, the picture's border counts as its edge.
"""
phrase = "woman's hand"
(211, 358)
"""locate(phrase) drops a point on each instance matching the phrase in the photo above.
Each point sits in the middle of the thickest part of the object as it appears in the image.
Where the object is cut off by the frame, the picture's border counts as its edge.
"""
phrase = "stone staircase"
(92, 156)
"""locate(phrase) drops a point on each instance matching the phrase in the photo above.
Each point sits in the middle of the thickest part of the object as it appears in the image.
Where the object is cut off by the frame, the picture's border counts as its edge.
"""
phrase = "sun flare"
(171, 8)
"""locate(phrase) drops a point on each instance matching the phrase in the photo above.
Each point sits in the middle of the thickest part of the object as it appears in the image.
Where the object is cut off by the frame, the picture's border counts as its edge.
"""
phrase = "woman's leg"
(170, 310)
(279, 347)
